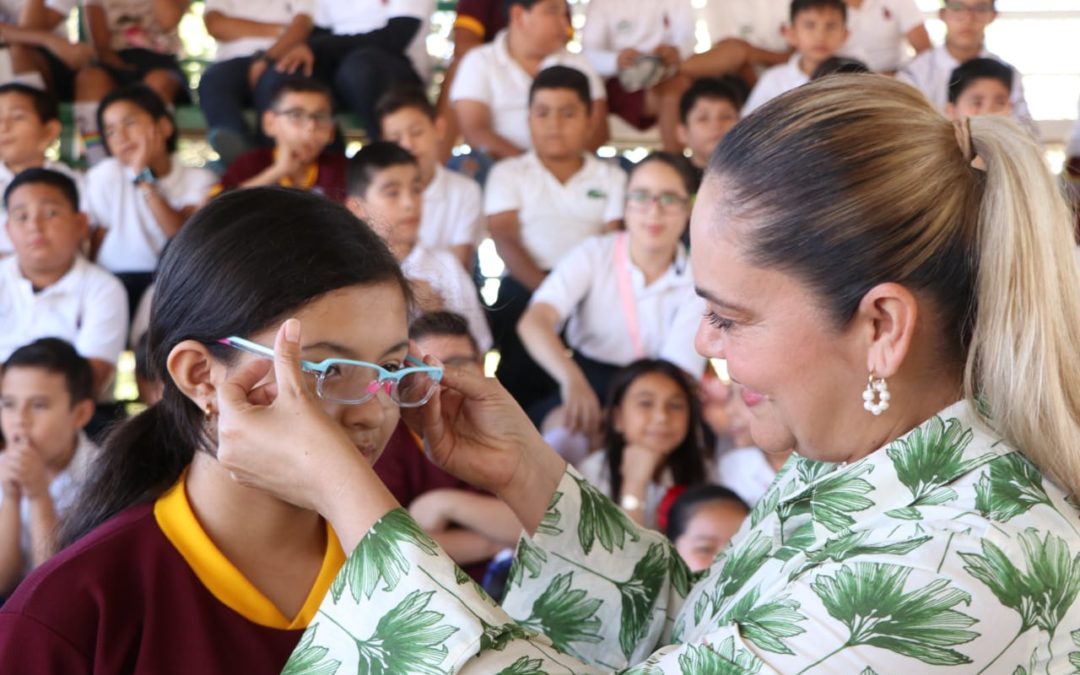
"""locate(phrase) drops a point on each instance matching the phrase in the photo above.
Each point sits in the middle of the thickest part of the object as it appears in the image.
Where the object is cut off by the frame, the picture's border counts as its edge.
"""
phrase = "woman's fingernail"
(292, 330)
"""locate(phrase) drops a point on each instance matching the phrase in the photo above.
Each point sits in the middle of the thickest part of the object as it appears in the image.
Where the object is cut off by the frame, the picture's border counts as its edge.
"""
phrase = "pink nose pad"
(373, 388)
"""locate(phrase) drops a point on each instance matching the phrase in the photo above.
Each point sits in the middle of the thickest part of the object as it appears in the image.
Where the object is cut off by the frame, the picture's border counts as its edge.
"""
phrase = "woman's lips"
(750, 397)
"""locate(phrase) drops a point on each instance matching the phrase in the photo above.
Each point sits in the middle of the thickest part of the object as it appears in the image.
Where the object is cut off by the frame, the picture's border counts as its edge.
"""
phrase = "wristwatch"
(631, 502)
(145, 176)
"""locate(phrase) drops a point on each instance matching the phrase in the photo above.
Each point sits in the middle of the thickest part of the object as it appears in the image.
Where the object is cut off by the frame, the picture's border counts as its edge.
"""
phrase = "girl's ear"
(166, 128)
(51, 132)
(195, 371)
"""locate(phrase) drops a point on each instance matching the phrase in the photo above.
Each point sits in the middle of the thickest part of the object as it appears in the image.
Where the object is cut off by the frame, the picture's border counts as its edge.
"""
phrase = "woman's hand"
(475, 430)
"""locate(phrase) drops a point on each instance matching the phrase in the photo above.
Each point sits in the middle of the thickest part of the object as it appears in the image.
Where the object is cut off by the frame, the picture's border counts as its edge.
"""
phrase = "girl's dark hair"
(687, 461)
(678, 164)
(144, 97)
(686, 506)
(242, 264)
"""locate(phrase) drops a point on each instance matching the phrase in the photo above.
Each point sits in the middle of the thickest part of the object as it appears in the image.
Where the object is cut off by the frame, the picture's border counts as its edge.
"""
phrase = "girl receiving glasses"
(621, 297)
(174, 566)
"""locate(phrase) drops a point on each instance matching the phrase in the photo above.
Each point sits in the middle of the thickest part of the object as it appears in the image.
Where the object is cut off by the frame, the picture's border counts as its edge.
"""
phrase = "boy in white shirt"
(47, 288)
(540, 206)
(816, 32)
(880, 31)
(29, 124)
(625, 38)
(453, 216)
(46, 400)
(490, 93)
(965, 31)
(384, 190)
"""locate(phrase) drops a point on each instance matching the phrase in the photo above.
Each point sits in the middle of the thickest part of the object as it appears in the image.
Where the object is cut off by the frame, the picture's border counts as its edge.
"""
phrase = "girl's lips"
(751, 398)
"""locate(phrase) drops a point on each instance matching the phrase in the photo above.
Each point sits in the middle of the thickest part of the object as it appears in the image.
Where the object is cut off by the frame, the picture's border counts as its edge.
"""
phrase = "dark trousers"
(224, 95)
(526, 381)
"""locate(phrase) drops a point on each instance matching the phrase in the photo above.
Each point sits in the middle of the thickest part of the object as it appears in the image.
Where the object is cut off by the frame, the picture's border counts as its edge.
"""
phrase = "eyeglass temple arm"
(256, 348)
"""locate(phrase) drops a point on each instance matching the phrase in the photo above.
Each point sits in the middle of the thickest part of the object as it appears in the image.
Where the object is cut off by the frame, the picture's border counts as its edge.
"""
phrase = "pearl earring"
(876, 388)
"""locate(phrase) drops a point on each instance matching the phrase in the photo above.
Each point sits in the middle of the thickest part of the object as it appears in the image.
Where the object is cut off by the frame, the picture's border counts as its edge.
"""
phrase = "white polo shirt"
(584, 291)
(280, 12)
(6, 176)
(355, 17)
(614, 25)
(746, 472)
(877, 32)
(133, 239)
(447, 278)
(759, 22)
(88, 307)
(930, 71)
(489, 75)
(134, 24)
(555, 217)
(453, 213)
(774, 82)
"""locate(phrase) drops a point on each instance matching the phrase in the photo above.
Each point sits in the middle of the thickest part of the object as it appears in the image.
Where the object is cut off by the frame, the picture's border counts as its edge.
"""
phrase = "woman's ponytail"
(1023, 365)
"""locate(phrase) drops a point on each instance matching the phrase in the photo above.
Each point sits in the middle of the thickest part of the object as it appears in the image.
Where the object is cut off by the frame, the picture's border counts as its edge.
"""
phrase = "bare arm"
(103, 372)
(464, 40)
(919, 38)
(483, 514)
(169, 12)
(599, 132)
(168, 219)
(466, 547)
(11, 556)
(74, 55)
(226, 28)
(97, 27)
(36, 16)
(474, 118)
(506, 232)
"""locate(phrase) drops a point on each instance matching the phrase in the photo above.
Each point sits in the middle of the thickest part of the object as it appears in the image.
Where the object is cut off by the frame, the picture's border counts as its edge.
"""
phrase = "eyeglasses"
(356, 382)
(667, 201)
(298, 116)
(981, 11)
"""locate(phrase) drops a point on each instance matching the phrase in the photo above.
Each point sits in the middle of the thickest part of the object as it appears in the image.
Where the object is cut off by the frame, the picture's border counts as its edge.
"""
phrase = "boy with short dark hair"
(384, 190)
(47, 288)
(540, 206)
(707, 111)
(453, 204)
(46, 398)
(966, 22)
(300, 120)
(817, 30)
(29, 124)
(980, 87)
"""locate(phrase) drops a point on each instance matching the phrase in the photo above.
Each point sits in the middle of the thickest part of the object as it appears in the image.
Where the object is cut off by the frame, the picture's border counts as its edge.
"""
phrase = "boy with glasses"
(965, 25)
(301, 123)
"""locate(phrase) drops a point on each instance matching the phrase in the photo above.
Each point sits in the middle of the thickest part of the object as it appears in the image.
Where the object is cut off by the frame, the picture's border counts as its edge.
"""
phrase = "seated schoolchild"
(620, 297)
(491, 91)
(880, 32)
(29, 124)
(965, 22)
(453, 204)
(651, 440)
(46, 398)
(817, 30)
(707, 111)
(384, 189)
(540, 206)
(134, 41)
(259, 42)
(637, 46)
(141, 195)
(470, 525)
(41, 53)
(300, 121)
(48, 289)
(701, 522)
(980, 87)
(171, 565)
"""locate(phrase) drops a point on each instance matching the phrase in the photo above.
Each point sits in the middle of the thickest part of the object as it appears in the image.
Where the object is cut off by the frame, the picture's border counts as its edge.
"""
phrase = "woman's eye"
(718, 322)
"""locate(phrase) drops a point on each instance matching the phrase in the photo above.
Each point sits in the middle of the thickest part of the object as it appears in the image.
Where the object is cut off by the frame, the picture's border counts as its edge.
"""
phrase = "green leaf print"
(601, 520)
(549, 524)
(739, 564)
(796, 542)
(832, 499)
(727, 660)
(639, 594)
(852, 544)
(528, 558)
(565, 615)
(1042, 594)
(524, 666)
(307, 659)
(928, 459)
(869, 599)
(1011, 487)
(868, 671)
(377, 556)
(1074, 657)
(679, 573)
(407, 639)
(766, 624)
(495, 638)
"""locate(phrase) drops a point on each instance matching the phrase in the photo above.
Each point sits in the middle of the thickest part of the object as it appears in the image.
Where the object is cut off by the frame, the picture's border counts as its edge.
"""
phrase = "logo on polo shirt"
(596, 193)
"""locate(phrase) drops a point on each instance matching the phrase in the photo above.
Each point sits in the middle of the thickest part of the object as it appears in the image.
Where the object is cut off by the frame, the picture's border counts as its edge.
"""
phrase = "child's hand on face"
(288, 161)
(152, 146)
(640, 463)
(27, 468)
(8, 480)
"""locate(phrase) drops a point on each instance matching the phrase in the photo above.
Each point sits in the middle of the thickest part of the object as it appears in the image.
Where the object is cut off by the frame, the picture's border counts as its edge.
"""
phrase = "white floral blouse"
(945, 550)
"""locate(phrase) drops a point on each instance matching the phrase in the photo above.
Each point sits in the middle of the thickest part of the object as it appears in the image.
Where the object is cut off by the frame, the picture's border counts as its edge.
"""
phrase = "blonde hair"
(856, 180)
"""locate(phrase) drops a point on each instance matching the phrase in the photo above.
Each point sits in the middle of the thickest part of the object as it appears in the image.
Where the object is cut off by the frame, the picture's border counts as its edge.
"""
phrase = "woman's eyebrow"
(721, 303)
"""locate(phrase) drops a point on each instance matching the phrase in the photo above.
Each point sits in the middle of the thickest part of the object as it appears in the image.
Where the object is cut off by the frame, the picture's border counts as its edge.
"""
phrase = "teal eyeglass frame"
(387, 379)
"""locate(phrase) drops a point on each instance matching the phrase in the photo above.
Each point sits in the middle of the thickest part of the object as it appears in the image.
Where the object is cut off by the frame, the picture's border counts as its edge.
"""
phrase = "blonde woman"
(898, 297)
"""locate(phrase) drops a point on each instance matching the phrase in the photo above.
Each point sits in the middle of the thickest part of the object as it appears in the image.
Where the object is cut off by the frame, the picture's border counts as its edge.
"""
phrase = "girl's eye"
(393, 366)
(717, 321)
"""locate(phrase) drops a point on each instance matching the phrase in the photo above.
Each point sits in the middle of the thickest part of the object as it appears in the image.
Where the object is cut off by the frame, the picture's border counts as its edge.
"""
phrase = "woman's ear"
(194, 371)
(890, 313)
